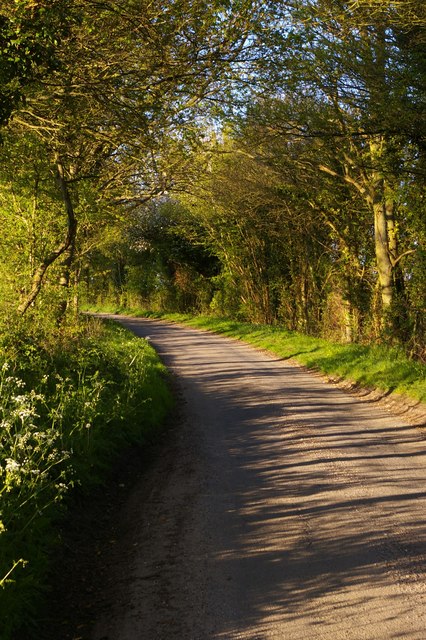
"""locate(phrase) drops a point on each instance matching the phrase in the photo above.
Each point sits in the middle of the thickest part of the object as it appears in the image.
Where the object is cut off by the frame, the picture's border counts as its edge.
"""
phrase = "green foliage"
(116, 122)
(29, 35)
(309, 200)
(155, 260)
(70, 402)
(343, 112)
(30, 214)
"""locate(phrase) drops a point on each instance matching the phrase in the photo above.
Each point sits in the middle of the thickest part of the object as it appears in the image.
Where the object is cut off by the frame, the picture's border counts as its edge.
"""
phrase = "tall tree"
(349, 80)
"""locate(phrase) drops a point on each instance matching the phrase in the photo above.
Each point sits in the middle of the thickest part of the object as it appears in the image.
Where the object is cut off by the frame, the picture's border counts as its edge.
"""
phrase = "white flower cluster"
(29, 450)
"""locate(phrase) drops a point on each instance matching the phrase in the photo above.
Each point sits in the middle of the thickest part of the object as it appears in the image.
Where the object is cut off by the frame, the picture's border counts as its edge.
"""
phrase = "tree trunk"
(64, 280)
(380, 198)
(38, 277)
(383, 258)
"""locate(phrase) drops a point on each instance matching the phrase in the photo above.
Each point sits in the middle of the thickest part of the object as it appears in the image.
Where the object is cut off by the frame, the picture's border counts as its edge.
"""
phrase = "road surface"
(283, 509)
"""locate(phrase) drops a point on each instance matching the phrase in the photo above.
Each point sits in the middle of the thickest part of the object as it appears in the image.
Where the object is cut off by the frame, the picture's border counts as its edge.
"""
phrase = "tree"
(351, 81)
(132, 76)
(29, 207)
(253, 218)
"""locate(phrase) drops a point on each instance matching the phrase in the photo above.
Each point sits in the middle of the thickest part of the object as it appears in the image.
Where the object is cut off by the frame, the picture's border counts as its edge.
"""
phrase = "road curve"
(284, 509)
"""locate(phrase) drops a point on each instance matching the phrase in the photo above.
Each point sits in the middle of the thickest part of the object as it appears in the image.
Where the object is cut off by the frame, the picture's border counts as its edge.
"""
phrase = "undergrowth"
(70, 401)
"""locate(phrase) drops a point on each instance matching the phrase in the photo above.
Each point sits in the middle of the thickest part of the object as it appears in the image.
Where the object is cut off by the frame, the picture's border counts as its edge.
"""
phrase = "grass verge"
(70, 401)
(370, 366)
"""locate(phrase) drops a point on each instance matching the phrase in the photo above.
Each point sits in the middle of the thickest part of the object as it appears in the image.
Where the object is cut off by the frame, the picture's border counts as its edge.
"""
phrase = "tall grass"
(70, 401)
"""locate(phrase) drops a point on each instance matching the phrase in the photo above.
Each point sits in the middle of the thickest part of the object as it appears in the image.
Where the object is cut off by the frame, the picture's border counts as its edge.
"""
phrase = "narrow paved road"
(284, 509)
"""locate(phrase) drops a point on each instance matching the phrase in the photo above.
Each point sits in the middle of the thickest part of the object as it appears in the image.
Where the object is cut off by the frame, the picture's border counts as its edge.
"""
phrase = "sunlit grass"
(372, 366)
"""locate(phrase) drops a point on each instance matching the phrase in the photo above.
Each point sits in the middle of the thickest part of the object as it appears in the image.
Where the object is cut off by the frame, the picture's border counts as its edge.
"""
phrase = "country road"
(282, 509)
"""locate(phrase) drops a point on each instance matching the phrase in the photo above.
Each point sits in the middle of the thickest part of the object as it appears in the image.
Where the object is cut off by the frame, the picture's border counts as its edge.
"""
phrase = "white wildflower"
(12, 465)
